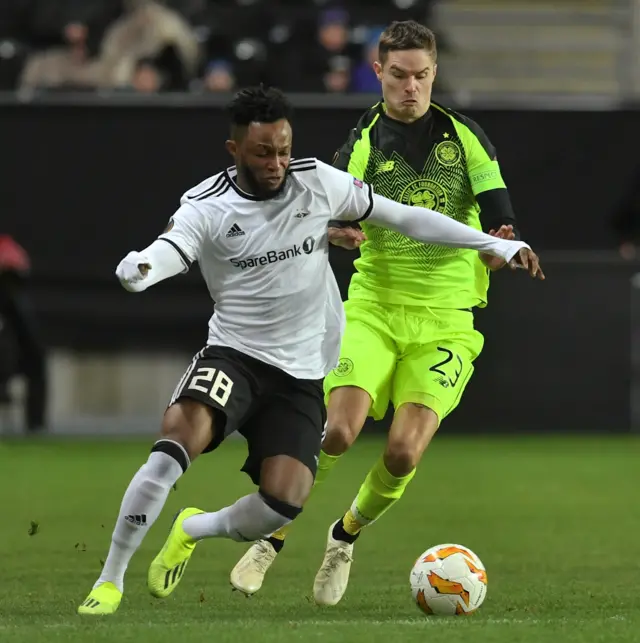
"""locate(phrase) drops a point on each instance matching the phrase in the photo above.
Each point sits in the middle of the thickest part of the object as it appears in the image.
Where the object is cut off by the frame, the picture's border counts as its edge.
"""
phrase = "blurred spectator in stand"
(60, 66)
(47, 21)
(146, 31)
(321, 69)
(70, 32)
(364, 79)
(149, 30)
(338, 78)
(333, 32)
(218, 77)
(147, 78)
(20, 328)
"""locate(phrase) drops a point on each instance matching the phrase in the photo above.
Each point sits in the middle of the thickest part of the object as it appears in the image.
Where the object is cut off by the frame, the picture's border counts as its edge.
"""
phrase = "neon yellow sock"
(378, 493)
(326, 462)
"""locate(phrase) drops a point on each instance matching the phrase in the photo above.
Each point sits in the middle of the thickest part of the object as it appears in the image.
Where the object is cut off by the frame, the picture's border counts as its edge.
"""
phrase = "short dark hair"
(258, 105)
(405, 35)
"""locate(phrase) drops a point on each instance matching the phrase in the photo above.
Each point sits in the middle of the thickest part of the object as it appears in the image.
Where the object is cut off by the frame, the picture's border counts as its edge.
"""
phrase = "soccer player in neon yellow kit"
(410, 337)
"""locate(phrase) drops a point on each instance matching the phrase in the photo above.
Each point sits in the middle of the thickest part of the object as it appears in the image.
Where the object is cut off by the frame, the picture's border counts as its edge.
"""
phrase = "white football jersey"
(266, 263)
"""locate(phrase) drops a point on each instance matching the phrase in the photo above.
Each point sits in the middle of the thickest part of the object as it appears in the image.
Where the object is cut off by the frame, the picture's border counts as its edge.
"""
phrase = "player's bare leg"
(187, 429)
(285, 484)
(346, 413)
(413, 427)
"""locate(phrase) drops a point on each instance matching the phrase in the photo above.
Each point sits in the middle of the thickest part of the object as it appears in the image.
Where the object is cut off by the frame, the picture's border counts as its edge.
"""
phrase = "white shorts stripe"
(183, 380)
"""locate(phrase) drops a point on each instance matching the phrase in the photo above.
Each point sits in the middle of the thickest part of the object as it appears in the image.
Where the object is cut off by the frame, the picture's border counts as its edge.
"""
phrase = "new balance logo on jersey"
(386, 166)
(301, 214)
(235, 231)
(138, 519)
(273, 256)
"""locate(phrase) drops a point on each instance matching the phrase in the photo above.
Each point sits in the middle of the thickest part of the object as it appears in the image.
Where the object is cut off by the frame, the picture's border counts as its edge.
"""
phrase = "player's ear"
(377, 68)
(232, 147)
(435, 70)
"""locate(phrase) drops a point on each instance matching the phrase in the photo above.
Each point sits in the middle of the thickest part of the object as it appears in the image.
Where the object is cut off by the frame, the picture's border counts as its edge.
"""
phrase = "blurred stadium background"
(110, 109)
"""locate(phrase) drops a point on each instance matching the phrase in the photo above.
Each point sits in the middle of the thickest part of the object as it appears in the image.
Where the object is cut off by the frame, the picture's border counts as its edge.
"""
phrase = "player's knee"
(294, 495)
(346, 414)
(286, 480)
(341, 434)
(402, 456)
(413, 427)
(190, 424)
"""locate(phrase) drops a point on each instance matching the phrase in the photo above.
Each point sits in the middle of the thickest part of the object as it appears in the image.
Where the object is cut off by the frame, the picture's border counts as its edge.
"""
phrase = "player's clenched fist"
(525, 258)
(528, 260)
(132, 269)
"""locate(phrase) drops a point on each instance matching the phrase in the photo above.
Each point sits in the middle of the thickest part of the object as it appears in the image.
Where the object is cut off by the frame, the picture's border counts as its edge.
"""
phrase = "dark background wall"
(81, 187)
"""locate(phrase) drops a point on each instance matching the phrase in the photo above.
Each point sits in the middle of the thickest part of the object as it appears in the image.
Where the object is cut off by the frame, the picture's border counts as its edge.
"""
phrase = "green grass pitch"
(555, 520)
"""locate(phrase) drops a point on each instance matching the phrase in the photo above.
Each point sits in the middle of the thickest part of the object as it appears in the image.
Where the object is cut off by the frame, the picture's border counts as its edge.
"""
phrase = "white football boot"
(333, 576)
(248, 574)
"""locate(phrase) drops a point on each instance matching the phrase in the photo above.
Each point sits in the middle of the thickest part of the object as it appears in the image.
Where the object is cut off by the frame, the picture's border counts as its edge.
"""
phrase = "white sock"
(248, 519)
(141, 506)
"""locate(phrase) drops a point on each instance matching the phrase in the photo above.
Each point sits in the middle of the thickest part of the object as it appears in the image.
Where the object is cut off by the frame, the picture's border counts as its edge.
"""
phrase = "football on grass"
(448, 580)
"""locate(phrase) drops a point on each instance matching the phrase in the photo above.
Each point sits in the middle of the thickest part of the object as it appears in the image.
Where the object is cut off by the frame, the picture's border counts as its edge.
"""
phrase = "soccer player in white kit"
(259, 231)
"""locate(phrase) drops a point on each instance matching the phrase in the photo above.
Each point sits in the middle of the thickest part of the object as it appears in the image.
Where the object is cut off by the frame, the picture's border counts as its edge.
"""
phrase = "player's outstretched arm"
(172, 253)
(429, 226)
(140, 270)
(351, 199)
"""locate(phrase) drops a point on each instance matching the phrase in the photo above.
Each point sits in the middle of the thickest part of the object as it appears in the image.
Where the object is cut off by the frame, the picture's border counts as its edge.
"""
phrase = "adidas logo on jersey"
(235, 231)
(138, 519)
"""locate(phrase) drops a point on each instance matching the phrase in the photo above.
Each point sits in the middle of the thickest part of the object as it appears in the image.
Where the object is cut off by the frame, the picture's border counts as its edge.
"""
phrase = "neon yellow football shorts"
(403, 354)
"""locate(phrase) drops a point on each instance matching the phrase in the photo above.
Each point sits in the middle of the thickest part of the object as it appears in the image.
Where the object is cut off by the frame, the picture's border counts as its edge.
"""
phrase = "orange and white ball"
(448, 580)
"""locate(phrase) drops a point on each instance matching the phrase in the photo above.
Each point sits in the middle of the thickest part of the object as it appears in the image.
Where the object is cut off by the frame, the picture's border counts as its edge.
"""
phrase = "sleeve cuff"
(369, 209)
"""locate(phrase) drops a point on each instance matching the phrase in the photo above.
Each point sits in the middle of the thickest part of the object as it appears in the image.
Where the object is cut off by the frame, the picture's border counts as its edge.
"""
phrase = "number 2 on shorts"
(218, 390)
(436, 368)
